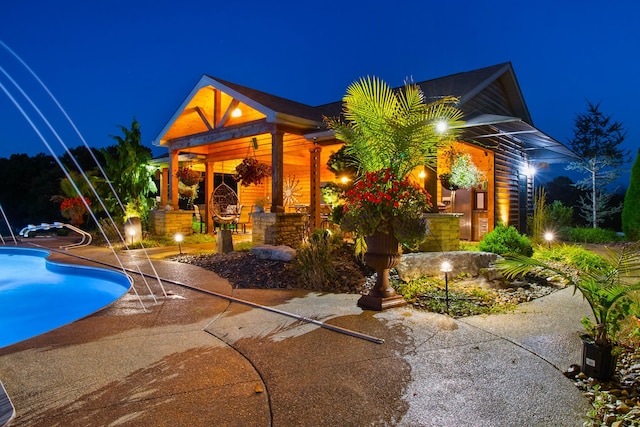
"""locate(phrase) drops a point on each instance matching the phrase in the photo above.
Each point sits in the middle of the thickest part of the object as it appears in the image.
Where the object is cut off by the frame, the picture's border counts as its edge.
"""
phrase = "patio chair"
(244, 217)
(223, 204)
(7, 411)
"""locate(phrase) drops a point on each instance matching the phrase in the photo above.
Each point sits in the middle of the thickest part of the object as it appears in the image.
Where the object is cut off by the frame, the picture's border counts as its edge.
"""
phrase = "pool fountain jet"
(66, 172)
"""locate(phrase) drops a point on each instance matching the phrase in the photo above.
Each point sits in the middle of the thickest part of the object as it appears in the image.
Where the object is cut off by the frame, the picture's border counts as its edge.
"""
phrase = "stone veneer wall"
(170, 222)
(278, 229)
(445, 233)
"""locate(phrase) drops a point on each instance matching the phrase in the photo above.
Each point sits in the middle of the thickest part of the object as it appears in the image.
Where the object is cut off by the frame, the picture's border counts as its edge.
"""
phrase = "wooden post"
(173, 178)
(316, 198)
(164, 188)
(208, 190)
(277, 165)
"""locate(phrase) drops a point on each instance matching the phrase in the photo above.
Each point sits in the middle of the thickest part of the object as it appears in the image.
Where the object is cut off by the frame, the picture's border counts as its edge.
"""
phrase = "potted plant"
(387, 135)
(605, 287)
(258, 205)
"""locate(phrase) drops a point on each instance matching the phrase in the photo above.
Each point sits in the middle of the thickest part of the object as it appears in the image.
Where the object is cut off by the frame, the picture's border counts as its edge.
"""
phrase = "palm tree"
(394, 129)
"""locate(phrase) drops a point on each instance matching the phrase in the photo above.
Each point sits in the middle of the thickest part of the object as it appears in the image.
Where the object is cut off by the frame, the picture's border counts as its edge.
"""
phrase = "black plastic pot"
(597, 360)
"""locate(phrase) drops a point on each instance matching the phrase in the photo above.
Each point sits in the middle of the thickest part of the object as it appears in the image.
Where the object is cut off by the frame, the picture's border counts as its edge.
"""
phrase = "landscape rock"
(274, 253)
(415, 265)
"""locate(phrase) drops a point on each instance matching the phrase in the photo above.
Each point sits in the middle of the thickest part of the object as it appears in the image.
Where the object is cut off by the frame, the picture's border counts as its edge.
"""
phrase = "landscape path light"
(548, 236)
(131, 231)
(446, 268)
(178, 238)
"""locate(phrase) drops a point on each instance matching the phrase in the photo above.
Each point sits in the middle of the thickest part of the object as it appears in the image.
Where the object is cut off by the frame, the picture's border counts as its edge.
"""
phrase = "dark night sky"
(107, 62)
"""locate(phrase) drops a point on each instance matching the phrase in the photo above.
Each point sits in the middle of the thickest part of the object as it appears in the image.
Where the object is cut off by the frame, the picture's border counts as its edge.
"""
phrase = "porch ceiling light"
(237, 112)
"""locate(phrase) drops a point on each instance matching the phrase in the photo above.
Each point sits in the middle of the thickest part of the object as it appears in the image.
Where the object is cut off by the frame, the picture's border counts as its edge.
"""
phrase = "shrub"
(560, 215)
(593, 235)
(506, 239)
(630, 211)
(315, 261)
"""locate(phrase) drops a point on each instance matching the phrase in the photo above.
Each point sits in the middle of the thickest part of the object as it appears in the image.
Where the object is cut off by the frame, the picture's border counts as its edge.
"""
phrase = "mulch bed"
(245, 271)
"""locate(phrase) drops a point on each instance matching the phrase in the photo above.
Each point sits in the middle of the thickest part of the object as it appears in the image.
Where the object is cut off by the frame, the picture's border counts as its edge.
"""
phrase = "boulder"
(415, 265)
(276, 253)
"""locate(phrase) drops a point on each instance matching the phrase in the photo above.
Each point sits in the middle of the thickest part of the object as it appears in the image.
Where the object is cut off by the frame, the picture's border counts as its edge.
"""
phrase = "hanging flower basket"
(251, 171)
(188, 176)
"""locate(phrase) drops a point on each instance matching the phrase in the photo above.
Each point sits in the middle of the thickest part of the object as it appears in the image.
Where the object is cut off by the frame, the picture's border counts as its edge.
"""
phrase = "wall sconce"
(422, 174)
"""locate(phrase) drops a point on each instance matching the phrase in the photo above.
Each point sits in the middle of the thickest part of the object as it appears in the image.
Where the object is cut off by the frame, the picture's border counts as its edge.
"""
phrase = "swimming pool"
(37, 295)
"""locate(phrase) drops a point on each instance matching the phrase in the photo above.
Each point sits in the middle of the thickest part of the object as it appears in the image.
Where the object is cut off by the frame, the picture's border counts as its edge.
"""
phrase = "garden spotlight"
(548, 236)
(131, 231)
(178, 238)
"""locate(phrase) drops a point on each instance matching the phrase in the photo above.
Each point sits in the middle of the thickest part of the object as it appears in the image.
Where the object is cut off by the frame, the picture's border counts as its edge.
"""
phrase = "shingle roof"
(273, 102)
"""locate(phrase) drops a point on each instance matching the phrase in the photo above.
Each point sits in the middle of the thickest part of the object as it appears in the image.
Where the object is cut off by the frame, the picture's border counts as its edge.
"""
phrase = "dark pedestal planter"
(597, 361)
(382, 255)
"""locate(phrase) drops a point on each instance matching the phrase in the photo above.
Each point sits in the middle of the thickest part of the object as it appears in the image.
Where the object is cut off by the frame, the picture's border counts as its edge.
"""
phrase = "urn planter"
(382, 254)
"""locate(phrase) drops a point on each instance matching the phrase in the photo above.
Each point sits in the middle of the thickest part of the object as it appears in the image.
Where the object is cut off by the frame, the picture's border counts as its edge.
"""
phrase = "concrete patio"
(194, 359)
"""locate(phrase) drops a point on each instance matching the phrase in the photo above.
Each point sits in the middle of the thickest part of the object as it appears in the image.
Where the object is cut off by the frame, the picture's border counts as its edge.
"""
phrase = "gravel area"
(616, 402)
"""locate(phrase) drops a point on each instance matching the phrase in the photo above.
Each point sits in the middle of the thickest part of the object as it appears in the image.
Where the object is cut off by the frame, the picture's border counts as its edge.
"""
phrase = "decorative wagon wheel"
(291, 191)
(222, 197)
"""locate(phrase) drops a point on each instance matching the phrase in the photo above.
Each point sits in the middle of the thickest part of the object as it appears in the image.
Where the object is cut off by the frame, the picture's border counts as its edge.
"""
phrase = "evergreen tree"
(596, 141)
(630, 212)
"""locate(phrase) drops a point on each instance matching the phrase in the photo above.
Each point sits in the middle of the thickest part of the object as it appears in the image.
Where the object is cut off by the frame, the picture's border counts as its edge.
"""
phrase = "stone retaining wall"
(170, 222)
(278, 229)
(415, 265)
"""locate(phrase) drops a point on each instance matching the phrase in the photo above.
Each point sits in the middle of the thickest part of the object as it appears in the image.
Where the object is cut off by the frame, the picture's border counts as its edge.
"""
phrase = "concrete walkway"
(199, 360)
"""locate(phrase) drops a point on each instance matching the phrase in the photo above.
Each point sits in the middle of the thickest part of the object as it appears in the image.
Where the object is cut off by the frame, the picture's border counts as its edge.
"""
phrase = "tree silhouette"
(596, 141)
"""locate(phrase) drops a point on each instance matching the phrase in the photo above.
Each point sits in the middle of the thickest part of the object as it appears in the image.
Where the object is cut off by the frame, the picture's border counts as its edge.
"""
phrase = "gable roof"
(492, 93)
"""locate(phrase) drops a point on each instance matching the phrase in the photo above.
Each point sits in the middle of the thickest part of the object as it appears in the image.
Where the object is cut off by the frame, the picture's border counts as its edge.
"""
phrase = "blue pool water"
(37, 295)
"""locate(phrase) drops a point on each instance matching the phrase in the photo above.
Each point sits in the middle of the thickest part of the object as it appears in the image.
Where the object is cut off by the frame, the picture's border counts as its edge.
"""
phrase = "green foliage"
(538, 222)
(593, 235)
(606, 286)
(26, 186)
(429, 293)
(572, 256)
(631, 210)
(506, 239)
(316, 260)
(560, 215)
(392, 129)
(343, 164)
(469, 246)
(126, 167)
